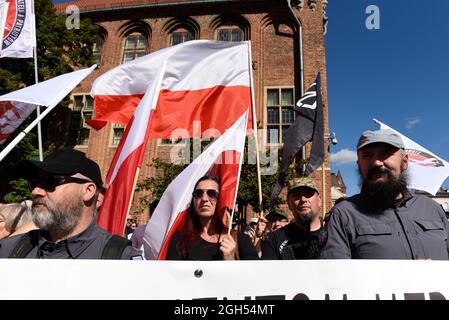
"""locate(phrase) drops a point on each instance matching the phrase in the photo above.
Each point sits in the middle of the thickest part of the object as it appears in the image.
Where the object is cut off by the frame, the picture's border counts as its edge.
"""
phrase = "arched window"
(231, 34)
(97, 49)
(135, 46)
(180, 36)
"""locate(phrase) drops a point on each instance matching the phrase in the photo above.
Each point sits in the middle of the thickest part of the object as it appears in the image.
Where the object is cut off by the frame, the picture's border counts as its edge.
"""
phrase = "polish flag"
(206, 83)
(16, 106)
(222, 158)
(17, 27)
(127, 159)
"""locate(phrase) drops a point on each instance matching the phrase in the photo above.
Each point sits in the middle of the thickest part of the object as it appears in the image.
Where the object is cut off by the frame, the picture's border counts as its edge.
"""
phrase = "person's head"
(10, 216)
(65, 189)
(205, 197)
(304, 202)
(276, 219)
(382, 165)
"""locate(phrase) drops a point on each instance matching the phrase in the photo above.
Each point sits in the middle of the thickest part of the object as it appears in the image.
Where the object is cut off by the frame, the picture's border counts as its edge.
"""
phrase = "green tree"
(59, 51)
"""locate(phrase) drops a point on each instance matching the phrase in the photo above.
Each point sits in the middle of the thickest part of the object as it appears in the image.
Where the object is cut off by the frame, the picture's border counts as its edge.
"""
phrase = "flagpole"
(36, 80)
(259, 180)
(20, 136)
(237, 185)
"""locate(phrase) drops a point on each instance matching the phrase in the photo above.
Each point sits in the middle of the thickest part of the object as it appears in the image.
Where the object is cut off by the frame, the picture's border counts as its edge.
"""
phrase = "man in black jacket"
(65, 188)
(304, 236)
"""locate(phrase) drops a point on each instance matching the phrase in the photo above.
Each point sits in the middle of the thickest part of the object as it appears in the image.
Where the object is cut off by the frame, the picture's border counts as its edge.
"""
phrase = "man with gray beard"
(386, 220)
(305, 235)
(65, 188)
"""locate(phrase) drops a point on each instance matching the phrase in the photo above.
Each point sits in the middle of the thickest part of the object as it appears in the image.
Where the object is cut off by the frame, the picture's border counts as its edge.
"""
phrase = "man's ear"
(89, 191)
(404, 161)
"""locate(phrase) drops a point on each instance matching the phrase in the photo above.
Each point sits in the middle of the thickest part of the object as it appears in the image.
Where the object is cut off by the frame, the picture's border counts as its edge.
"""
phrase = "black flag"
(308, 126)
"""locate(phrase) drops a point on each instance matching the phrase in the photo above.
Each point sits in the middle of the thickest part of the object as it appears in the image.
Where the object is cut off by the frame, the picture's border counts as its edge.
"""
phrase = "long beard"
(60, 219)
(384, 194)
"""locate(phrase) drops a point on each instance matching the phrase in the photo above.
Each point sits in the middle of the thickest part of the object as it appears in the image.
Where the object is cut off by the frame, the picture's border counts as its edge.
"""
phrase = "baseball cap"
(302, 182)
(275, 213)
(66, 161)
(380, 136)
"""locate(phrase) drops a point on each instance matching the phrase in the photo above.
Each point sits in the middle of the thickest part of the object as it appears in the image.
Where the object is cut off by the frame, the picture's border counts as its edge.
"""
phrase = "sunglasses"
(303, 192)
(211, 193)
(50, 182)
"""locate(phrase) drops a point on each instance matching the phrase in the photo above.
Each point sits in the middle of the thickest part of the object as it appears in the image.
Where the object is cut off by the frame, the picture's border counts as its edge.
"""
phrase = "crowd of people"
(386, 220)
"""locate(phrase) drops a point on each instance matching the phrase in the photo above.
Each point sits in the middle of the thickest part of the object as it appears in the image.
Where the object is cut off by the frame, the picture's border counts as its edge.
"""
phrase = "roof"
(98, 5)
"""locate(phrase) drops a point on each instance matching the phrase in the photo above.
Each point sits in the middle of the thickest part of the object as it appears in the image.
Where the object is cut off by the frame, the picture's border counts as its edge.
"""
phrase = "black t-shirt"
(290, 243)
(204, 251)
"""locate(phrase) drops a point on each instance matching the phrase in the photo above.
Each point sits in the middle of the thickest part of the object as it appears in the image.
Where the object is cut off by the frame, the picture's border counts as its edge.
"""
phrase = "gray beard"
(48, 217)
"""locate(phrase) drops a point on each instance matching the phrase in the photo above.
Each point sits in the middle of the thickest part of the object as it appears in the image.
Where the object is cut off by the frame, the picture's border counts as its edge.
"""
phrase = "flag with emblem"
(308, 126)
(426, 170)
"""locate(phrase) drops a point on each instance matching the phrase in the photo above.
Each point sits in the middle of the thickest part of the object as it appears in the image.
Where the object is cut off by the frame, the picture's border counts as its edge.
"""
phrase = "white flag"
(16, 106)
(19, 35)
(426, 170)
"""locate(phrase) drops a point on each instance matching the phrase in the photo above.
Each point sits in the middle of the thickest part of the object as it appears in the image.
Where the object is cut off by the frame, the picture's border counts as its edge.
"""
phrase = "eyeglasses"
(50, 182)
(303, 192)
(211, 193)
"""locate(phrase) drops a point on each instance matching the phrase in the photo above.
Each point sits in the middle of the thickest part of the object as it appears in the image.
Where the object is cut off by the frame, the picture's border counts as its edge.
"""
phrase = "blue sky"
(398, 74)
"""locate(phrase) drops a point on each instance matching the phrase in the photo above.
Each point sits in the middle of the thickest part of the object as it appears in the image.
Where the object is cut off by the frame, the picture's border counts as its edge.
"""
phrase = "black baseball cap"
(66, 161)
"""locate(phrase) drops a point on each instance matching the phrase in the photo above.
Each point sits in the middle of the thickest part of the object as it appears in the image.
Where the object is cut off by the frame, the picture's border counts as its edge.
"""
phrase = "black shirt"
(205, 251)
(290, 243)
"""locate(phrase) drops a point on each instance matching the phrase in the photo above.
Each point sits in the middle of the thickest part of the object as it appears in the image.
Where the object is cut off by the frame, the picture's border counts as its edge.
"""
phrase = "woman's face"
(3, 232)
(205, 201)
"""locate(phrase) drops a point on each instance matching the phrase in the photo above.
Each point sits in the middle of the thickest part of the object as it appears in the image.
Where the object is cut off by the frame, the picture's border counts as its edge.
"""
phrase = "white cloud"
(343, 157)
(411, 122)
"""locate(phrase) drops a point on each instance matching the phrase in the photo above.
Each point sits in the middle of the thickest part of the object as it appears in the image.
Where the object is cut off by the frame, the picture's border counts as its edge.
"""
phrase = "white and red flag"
(16, 106)
(19, 35)
(223, 158)
(426, 170)
(205, 81)
(128, 157)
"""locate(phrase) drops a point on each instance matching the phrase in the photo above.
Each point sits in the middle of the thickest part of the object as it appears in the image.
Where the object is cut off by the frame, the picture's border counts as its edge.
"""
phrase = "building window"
(230, 34)
(97, 49)
(135, 46)
(82, 110)
(178, 37)
(280, 113)
(117, 133)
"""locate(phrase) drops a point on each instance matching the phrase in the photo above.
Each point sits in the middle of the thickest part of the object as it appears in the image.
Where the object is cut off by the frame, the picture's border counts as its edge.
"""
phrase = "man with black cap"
(65, 188)
(386, 220)
(304, 236)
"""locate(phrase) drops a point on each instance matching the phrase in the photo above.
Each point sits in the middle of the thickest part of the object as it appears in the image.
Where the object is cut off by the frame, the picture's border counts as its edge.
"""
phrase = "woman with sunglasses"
(203, 236)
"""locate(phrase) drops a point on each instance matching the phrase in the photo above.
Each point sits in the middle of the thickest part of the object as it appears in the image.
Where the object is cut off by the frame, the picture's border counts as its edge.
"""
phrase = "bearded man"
(65, 188)
(386, 220)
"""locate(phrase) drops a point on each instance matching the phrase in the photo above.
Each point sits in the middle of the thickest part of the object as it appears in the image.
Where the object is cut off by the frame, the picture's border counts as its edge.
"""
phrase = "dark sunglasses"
(303, 192)
(211, 193)
(50, 182)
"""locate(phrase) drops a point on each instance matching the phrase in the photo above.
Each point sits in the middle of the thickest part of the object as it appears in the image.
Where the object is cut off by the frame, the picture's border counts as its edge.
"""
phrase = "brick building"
(287, 46)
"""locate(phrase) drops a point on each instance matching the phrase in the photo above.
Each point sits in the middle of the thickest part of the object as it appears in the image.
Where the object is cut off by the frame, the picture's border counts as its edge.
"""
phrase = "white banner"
(426, 170)
(19, 35)
(240, 280)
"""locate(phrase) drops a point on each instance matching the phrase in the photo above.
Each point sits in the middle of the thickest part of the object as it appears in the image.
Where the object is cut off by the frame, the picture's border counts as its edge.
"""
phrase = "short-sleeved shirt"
(415, 228)
(203, 250)
(290, 243)
(88, 244)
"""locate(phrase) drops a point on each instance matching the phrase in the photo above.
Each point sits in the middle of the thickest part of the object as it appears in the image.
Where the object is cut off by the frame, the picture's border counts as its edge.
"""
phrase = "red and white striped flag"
(128, 157)
(19, 35)
(205, 81)
(16, 106)
(222, 158)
